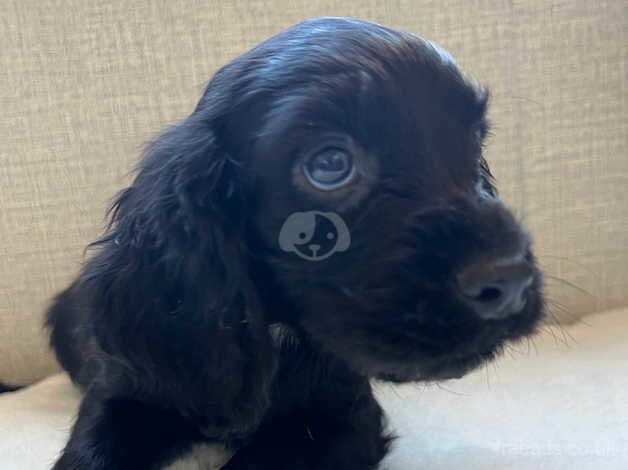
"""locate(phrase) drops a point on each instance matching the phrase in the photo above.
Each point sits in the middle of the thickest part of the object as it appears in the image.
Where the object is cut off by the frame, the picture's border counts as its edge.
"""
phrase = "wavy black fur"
(189, 324)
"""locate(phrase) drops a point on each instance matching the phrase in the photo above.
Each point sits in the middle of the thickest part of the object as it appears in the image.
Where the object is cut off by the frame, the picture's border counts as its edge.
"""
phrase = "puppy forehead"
(332, 61)
(378, 85)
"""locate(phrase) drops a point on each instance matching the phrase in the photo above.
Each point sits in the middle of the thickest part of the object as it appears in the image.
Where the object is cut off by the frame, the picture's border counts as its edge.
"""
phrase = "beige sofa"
(84, 84)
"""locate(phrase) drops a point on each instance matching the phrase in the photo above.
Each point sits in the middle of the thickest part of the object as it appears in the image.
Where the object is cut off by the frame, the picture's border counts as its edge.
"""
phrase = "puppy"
(197, 320)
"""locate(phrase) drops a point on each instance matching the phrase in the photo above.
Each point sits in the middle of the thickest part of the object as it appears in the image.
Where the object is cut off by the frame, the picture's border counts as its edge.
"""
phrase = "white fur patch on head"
(445, 57)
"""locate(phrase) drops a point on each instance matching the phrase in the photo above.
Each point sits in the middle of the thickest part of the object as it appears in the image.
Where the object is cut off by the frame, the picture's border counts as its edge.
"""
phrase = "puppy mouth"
(453, 361)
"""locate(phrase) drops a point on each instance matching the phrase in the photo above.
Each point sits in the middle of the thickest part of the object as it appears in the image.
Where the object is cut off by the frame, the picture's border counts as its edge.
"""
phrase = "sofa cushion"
(558, 402)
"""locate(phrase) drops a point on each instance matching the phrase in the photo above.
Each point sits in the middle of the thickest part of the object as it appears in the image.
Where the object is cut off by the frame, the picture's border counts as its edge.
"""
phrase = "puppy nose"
(497, 289)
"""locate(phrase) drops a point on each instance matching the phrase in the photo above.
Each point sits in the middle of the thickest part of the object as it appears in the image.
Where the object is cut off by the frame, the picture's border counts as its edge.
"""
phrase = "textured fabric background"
(83, 84)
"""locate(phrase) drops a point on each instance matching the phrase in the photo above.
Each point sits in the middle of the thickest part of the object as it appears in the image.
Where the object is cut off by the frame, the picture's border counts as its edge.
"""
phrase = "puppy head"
(335, 127)
(380, 129)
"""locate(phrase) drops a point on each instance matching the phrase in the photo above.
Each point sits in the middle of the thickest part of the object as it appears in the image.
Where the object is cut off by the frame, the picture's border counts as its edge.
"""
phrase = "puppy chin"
(433, 370)
(446, 369)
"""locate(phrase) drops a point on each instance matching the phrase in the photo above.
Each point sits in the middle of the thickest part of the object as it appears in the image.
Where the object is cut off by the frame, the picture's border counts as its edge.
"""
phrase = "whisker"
(421, 386)
(548, 329)
(451, 391)
(394, 390)
(565, 310)
(528, 341)
(510, 350)
(495, 367)
(565, 334)
(488, 379)
(572, 285)
(536, 349)
(564, 258)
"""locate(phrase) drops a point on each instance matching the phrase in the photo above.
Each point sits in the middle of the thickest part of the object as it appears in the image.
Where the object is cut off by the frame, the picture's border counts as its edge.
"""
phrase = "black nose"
(496, 289)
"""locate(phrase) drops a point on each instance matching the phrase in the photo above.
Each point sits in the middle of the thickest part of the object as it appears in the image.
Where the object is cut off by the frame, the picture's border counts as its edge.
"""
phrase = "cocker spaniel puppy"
(323, 217)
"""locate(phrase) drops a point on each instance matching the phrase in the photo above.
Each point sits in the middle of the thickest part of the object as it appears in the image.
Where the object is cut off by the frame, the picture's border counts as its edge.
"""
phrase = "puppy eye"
(329, 169)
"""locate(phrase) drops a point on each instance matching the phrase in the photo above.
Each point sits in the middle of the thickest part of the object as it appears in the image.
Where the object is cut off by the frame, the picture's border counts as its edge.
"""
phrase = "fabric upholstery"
(83, 84)
(557, 403)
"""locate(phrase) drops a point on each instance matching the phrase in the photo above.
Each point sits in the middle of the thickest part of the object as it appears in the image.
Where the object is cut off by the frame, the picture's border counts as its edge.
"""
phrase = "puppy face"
(380, 128)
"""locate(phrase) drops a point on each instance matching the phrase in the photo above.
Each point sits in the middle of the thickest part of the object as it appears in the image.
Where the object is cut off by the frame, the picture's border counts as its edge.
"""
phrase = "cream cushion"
(557, 403)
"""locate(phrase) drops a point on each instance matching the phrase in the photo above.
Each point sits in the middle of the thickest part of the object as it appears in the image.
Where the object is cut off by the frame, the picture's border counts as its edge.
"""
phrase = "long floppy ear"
(175, 313)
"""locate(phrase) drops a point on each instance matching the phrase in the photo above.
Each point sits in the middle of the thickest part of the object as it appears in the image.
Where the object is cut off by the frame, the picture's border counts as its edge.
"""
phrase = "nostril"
(488, 294)
(488, 300)
(480, 290)
(495, 291)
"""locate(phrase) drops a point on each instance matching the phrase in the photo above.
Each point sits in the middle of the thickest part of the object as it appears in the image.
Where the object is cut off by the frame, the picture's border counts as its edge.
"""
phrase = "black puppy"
(192, 322)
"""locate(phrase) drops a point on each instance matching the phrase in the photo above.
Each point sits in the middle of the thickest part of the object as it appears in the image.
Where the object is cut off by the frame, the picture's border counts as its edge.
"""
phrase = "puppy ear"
(175, 310)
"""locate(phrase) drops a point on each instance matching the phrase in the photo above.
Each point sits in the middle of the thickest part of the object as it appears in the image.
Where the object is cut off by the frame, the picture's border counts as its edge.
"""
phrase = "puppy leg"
(121, 434)
(323, 417)
(305, 442)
